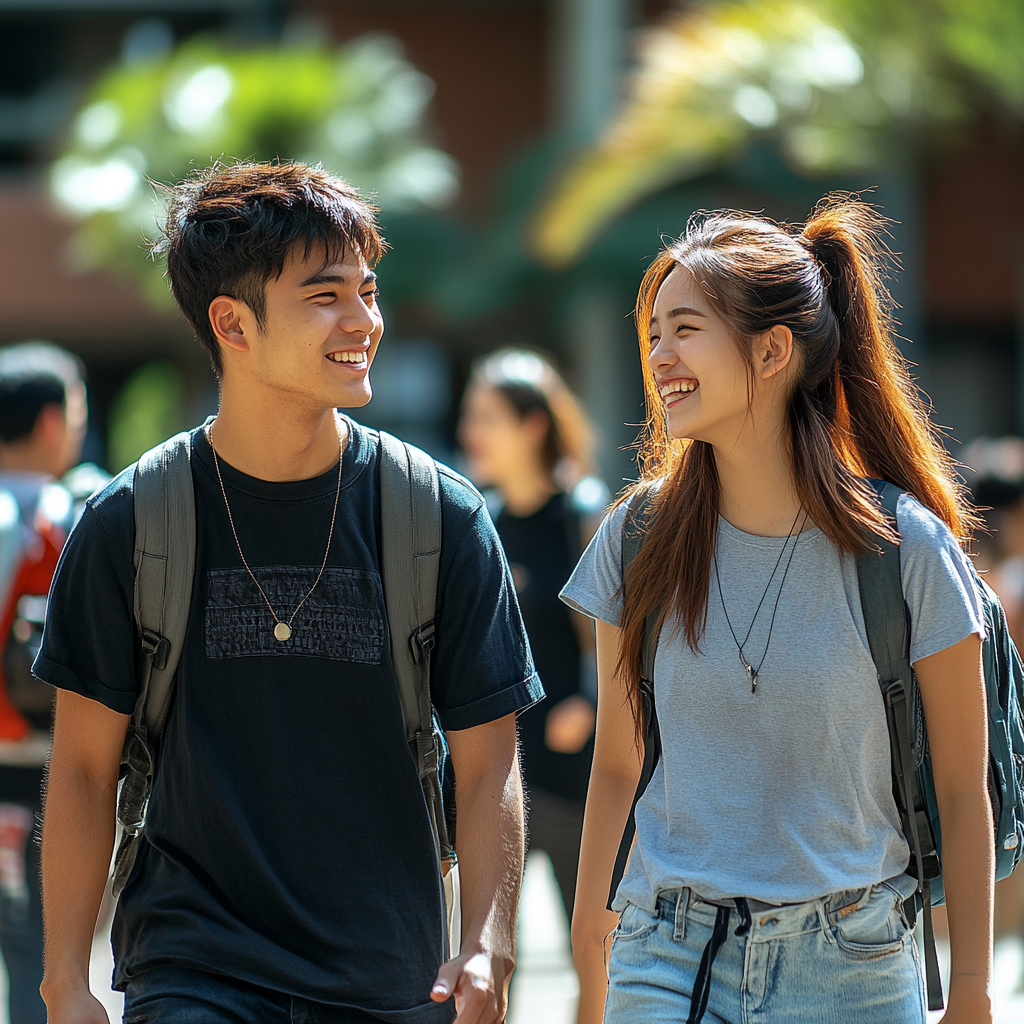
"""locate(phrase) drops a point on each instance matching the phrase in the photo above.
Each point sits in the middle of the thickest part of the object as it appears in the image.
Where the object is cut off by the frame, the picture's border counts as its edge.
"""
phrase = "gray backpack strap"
(410, 500)
(887, 624)
(165, 560)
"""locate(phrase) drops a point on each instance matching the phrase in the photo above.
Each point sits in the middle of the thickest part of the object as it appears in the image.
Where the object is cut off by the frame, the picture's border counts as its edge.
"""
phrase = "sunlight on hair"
(516, 366)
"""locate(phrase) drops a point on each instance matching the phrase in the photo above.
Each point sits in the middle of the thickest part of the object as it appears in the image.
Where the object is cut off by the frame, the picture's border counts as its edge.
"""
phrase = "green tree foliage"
(359, 110)
(834, 85)
(148, 409)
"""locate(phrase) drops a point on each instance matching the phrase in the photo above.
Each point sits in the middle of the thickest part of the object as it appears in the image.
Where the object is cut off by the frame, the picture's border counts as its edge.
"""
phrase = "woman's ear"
(774, 351)
(226, 320)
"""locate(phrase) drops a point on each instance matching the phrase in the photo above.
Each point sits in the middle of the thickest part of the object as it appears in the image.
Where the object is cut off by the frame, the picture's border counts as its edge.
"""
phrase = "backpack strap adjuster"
(156, 647)
(422, 641)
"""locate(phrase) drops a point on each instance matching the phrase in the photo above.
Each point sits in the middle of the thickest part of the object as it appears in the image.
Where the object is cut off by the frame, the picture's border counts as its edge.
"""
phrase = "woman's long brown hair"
(854, 411)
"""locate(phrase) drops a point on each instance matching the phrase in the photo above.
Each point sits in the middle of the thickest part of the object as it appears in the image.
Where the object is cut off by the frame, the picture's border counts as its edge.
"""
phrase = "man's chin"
(355, 399)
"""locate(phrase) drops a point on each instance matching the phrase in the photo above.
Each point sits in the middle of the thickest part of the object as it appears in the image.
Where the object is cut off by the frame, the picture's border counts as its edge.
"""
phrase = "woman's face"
(701, 374)
(499, 444)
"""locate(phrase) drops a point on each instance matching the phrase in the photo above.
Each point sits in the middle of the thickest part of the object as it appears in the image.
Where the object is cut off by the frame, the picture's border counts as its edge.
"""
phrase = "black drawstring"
(702, 983)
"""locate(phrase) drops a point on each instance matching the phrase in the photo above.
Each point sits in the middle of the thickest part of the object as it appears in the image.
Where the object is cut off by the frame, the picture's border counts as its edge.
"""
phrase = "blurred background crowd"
(526, 156)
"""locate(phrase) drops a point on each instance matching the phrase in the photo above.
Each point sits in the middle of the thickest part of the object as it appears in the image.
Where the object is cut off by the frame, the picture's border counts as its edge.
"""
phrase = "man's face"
(320, 334)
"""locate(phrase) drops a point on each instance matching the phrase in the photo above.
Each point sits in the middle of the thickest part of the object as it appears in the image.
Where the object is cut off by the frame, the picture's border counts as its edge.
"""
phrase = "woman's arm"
(613, 782)
(953, 693)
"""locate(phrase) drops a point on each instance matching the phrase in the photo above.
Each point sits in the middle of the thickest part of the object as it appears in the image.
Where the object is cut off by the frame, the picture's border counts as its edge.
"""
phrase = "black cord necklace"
(752, 673)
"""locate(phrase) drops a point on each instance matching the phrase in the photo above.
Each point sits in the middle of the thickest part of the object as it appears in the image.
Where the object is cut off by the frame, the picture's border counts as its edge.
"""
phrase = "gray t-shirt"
(785, 794)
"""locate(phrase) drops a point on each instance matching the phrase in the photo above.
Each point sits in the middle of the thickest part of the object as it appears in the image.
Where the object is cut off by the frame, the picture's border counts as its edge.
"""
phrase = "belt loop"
(682, 906)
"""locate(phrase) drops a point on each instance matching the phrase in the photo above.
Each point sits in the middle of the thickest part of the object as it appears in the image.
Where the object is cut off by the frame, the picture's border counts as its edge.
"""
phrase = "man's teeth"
(677, 385)
(347, 357)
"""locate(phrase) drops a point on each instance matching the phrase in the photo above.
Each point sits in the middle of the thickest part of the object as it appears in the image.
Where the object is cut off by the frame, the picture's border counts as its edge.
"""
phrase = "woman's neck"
(757, 490)
(527, 493)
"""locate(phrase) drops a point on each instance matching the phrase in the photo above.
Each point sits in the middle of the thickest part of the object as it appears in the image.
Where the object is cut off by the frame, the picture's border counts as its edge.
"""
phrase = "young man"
(288, 870)
(42, 424)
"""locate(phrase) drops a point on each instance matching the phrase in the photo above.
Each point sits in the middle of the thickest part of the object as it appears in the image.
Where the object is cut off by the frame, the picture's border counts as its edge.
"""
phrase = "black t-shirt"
(542, 550)
(288, 839)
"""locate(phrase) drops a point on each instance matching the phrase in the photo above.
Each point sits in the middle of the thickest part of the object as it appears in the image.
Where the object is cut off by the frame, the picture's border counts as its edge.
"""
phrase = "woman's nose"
(661, 356)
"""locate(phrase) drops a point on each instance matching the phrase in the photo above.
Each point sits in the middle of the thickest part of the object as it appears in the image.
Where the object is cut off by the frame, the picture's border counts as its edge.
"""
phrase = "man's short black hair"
(33, 375)
(230, 229)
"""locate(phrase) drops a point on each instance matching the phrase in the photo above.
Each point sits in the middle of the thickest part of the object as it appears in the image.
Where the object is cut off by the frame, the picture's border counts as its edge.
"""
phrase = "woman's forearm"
(608, 802)
(967, 875)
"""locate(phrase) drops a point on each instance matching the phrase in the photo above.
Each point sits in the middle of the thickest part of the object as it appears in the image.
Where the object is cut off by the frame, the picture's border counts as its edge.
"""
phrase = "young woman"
(774, 386)
(526, 437)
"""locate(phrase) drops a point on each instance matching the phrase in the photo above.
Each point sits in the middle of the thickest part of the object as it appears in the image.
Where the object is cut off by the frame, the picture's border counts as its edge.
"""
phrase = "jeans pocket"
(635, 923)
(873, 926)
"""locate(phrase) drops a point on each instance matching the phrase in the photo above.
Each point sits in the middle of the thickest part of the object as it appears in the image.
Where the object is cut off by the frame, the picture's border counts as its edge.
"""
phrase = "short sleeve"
(88, 643)
(938, 582)
(593, 587)
(482, 668)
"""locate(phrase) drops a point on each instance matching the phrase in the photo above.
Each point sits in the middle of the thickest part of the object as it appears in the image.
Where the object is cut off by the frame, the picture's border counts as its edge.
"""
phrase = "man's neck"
(274, 441)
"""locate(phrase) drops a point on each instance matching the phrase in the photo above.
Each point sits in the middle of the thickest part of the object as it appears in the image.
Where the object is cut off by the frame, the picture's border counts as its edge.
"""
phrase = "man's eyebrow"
(334, 279)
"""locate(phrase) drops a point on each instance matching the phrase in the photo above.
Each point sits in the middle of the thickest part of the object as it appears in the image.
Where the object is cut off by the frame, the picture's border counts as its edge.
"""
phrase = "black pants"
(555, 825)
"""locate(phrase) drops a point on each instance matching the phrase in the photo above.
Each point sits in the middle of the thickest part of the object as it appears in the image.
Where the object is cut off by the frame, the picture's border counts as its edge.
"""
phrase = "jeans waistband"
(831, 901)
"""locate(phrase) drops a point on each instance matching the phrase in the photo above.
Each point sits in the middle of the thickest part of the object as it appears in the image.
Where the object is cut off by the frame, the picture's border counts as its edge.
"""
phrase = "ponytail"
(888, 433)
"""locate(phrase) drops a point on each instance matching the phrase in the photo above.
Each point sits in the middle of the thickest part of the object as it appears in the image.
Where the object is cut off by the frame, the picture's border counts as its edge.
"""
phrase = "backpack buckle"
(155, 647)
(422, 641)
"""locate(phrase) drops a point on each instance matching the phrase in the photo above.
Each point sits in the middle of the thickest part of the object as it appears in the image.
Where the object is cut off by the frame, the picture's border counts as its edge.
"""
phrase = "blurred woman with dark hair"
(529, 443)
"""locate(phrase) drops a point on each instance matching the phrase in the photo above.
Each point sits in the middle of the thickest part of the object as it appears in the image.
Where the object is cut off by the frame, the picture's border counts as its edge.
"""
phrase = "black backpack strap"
(165, 560)
(634, 531)
(887, 622)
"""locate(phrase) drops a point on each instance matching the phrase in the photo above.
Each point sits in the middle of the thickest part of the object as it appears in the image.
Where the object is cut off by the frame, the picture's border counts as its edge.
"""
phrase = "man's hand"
(81, 1007)
(479, 983)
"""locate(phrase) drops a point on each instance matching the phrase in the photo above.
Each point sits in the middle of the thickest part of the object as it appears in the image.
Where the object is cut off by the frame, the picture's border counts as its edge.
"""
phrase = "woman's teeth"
(676, 386)
(347, 357)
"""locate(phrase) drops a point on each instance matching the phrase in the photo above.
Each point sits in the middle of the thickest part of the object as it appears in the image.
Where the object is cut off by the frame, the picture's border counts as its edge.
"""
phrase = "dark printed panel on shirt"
(343, 619)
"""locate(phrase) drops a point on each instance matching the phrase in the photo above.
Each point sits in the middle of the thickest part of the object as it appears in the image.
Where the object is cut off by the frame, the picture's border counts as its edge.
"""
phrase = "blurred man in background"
(42, 425)
(997, 487)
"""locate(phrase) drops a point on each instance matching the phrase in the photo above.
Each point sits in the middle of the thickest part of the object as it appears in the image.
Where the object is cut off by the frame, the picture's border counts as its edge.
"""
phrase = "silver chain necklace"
(753, 673)
(282, 629)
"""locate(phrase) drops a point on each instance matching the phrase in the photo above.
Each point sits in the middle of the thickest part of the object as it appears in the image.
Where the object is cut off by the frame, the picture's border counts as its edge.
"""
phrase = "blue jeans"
(849, 958)
(177, 995)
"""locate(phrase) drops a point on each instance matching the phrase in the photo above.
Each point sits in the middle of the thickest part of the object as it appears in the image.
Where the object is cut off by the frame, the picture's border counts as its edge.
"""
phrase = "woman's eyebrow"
(686, 311)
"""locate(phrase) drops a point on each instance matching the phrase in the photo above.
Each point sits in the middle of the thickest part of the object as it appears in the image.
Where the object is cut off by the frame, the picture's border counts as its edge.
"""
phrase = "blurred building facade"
(511, 76)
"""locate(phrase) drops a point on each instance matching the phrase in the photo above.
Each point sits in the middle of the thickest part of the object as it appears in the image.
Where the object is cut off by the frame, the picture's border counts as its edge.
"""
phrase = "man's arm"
(78, 839)
(490, 848)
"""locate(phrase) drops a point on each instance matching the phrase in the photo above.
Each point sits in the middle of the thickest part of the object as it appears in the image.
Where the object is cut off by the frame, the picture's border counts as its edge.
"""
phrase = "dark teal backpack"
(887, 621)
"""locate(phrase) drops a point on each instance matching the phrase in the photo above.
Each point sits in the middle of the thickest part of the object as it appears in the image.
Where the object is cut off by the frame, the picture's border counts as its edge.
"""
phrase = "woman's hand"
(968, 1001)
(569, 724)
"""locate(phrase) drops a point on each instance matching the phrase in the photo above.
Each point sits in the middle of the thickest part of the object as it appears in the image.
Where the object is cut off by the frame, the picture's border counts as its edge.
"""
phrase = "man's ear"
(226, 315)
(774, 351)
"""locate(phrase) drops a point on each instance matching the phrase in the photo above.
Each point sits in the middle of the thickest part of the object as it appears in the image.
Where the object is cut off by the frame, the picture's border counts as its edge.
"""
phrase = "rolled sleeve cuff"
(494, 706)
(64, 678)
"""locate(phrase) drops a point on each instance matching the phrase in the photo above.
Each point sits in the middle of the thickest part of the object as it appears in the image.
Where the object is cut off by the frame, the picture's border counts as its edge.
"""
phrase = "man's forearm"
(78, 839)
(491, 849)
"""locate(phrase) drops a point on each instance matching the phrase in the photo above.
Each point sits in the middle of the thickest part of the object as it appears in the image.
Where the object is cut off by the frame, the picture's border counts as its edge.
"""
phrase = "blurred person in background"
(997, 488)
(42, 426)
(528, 442)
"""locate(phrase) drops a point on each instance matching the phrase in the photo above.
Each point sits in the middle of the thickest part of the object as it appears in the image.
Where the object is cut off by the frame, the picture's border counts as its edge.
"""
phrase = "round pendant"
(282, 631)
